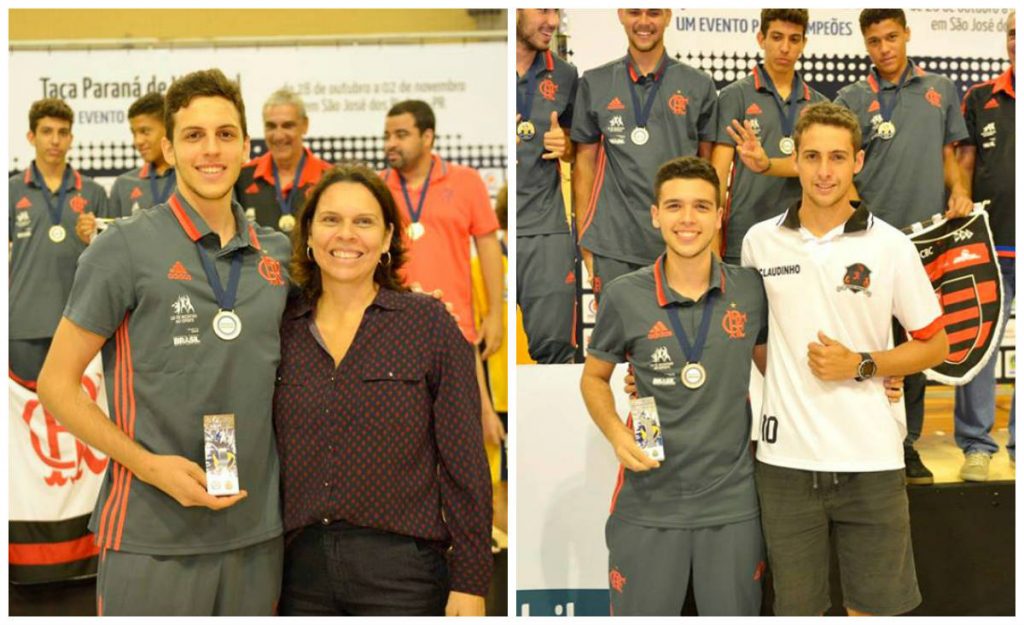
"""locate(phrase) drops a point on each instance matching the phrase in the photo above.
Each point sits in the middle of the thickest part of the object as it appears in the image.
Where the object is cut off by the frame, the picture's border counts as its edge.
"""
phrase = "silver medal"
(786, 145)
(886, 130)
(58, 233)
(639, 136)
(415, 230)
(286, 223)
(693, 375)
(226, 325)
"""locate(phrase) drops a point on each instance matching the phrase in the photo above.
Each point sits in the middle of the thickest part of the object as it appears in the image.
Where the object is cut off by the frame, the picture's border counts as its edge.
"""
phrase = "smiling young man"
(185, 301)
(688, 325)
(273, 187)
(910, 123)
(546, 251)
(756, 116)
(153, 183)
(631, 115)
(44, 204)
(829, 454)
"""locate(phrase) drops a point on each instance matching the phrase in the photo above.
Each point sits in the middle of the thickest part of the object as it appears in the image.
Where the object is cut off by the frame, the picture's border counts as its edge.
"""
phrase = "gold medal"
(526, 130)
(286, 223)
(693, 375)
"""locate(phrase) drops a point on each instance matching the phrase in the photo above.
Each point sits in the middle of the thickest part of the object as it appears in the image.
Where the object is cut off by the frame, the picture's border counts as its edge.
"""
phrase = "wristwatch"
(867, 367)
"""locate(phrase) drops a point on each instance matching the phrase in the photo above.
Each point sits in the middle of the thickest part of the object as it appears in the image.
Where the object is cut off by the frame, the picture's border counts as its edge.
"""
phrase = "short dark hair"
(305, 272)
(870, 17)
(204, 83)
(501, 207)
(49, 107)
(150, 104)
(828, 114)
(420, 111)
(800, 17)
(686, 167)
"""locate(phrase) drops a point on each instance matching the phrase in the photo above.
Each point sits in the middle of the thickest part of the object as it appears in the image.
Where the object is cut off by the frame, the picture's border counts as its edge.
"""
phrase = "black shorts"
(868, 517)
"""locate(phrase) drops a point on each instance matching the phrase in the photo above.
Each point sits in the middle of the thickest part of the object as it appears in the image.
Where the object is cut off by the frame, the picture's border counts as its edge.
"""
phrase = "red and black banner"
(960, 260)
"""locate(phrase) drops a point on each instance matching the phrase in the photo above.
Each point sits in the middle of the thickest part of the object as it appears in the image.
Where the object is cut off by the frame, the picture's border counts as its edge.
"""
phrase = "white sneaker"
(975, 467)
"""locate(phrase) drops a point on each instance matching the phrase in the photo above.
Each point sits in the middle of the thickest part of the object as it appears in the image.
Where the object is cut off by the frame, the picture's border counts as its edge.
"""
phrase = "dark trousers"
(345, 570)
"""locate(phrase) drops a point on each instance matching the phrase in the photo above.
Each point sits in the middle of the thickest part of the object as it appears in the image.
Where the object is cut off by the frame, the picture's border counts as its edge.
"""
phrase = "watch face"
(867, 368)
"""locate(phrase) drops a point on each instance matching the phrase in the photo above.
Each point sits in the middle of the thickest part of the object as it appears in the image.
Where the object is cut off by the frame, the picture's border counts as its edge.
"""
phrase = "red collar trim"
(144, 172)
(255, 242)
(28, 175)
(659, 287)
(78, 177)
(308, 175)
(549, 60)
(873, 81)
(657, 76)
(186, 222)
(1004, 83)
(756, 72)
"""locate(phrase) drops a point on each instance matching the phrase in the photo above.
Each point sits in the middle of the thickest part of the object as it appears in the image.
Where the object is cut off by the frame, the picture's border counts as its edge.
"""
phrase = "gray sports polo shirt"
(540, 207)
(706, 478)
(754, 197)
(618, 220)
(141, 283)
(902, 176)
(41, 271)
(133, 190)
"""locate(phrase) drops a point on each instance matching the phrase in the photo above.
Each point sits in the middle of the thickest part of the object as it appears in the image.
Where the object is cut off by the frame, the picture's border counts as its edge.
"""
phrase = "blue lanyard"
(886, 109)
(160, 197)
(225, 299)
(787, 116)
(524, 102)
(692, 352)
(54, 211)
(286, 205)
(645, 113)
(414, 214)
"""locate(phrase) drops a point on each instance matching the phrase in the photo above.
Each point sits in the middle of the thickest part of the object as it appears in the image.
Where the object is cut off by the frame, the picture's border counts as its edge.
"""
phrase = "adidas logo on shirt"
(178, 272)
(659, 331)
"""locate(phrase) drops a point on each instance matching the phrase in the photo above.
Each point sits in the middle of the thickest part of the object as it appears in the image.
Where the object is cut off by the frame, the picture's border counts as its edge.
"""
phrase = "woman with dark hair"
(387, 497)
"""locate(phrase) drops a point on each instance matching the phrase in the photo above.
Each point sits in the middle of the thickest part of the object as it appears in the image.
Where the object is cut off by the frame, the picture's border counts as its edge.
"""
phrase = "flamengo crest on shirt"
(960, 261)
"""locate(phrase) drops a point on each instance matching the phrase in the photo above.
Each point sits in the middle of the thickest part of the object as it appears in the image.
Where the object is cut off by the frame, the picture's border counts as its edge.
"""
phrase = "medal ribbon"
(54, 211)
(160, 197)
(693, 352)
(886, 109)
(414, 214)
(788, 118)
(643, 115)
(284, 205)
(524, 103)
(225, 299)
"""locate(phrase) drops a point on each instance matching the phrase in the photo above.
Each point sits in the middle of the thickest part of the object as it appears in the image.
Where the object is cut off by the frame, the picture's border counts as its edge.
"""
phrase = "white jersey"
(848, 284)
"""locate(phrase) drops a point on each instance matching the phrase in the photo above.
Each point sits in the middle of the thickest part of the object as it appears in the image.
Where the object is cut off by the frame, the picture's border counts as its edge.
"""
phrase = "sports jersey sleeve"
(102, 291)
(585, 128)
(915, 304)
(707, 122)
(730, 107)
(956, 129)
(565, 119)
(969, 112)
(608, 340)
(115, 207)
(482, 216)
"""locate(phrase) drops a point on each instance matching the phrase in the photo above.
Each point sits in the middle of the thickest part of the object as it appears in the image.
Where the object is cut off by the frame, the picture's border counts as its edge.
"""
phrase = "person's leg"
(250, 579)
(546, 285)
(974, 414)
(134, 584)
(648, 569)
(307, 585)
(871, 523)
(607, 269)
(913, 401)
(796, 535)
(379, 573)
(728, 562)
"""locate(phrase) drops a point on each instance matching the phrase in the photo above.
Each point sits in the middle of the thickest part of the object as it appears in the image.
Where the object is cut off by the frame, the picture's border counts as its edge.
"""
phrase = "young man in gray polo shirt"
(151, 184)
(185, 300)
(545, 250)
(632, 115)
(44, 203)
(756, 115)
(688, 326)
(910, 123)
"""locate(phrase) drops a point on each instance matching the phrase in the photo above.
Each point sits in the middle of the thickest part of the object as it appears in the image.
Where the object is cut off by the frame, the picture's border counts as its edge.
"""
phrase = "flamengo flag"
(54, 480)
(960, 260)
